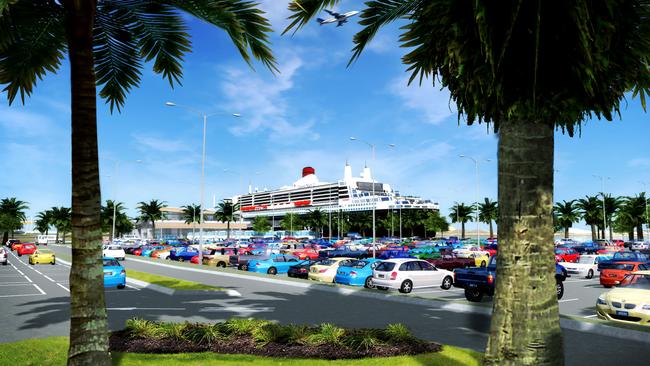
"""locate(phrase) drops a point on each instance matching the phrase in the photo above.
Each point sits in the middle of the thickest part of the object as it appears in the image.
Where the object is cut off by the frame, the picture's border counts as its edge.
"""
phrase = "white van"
(45, 239)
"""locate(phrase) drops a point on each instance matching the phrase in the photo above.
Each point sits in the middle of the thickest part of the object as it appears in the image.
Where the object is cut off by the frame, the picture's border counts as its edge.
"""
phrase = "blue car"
(114, 273)
(183, 254)
(359, 273)
(147, 252)
(276, 263)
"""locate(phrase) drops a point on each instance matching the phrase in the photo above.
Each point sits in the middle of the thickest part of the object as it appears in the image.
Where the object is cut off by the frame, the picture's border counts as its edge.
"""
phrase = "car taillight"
(393, 275)
(258, 264)
(490, 279)
(323, 270)
(353, 274)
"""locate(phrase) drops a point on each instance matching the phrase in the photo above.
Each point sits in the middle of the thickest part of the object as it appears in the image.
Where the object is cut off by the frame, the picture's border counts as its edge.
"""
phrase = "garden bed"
(264, 338)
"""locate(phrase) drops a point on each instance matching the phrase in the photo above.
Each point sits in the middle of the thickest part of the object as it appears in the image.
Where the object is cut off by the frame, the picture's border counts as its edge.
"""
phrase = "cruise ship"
(309, 193)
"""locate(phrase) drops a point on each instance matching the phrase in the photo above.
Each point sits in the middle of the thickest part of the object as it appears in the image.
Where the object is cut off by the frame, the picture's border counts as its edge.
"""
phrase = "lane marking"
(39, 289)
(567, 300)
(236, 309)
(48, 278)
(5, 284)
(21, 295)
(591, 316)
(134, 308)
(63, 287)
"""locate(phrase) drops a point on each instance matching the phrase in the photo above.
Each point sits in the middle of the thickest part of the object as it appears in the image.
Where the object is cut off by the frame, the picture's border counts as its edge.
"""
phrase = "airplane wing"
(332, 13)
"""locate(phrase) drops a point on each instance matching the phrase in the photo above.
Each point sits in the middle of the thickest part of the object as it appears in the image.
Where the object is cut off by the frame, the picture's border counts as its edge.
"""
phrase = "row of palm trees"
(488, 212)
(625, 214)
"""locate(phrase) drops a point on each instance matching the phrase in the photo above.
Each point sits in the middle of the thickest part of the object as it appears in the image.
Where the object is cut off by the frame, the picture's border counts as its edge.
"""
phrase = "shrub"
(398, 333)
(173, 331)
(327, 334)
(362, 340)
(204, 334)
(142, 328)
(298, 334)
(241, 326)
(270, 332)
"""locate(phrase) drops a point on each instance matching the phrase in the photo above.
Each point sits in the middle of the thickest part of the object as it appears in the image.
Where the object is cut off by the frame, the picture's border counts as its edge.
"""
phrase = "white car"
(45, 239)
(469, 252)
(586, 266)
(640, 245)
(406, 274)
(3, 256)
(114, 251)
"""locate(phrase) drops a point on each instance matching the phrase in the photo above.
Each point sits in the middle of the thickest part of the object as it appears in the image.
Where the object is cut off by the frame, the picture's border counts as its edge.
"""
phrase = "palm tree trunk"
(593, 232)
(88, 324)
(566, 232)
(228, 231)
(491, 230)
(639, 231)
(462, 225)
(153, 230)
(525, 328)
(630, 235)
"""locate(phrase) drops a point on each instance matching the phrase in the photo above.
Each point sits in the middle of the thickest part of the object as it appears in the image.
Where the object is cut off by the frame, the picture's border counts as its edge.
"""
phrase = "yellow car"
(480, 259)
(42, 256)
(325, 270)
(628, 303)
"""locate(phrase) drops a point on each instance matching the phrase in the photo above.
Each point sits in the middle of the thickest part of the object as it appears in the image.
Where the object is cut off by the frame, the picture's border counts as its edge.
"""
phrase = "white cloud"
(262, 101)
(159, 144)
(21, 123)
(427, 99)
(277, 12)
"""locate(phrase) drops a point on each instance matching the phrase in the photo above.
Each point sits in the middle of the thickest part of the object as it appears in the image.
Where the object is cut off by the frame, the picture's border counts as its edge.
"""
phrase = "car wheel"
(369, 283)
(406, 287)
(483, 264)
(4, 263)
(181, 260)
(559, 288)
(53, 262)
(244, 267)
(607, 286)
(447, 282)
(473, 294)
(382, 288)
(20, 255)
(121, 286)
(221, 264)
(590, 274)
(272, 271)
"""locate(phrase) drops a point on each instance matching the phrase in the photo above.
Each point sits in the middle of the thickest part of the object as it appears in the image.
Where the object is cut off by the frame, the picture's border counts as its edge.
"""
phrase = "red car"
(195, 259)
(566, 255)
(615, 272)
(450, 262)
(15, 245)
(305, 253)
(618, 242)
(491, 248)
(26, 248)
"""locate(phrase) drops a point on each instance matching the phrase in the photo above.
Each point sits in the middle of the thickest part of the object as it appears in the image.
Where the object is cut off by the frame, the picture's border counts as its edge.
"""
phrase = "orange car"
(16, 246)
(615, 272)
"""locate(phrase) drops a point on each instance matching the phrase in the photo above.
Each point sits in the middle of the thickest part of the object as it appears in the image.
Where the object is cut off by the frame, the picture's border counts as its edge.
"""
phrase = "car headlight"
(646, 307)
(601, 301)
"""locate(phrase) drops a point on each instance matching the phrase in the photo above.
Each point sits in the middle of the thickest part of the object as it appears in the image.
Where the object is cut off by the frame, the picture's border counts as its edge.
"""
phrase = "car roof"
(400, 260)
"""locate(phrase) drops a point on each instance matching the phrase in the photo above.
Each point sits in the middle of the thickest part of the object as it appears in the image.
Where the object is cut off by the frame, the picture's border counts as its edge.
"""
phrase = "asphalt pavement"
(30, 313)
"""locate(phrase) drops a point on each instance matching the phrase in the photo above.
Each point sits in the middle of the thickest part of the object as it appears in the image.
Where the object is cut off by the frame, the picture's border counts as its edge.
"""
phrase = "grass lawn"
(53, 351)
(169, 282)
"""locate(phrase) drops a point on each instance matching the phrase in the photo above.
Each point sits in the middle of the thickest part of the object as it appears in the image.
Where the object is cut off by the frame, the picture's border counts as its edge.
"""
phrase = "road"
(28, 313)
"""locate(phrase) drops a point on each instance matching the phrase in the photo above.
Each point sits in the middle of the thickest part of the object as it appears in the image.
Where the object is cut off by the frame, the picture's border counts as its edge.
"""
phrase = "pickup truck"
(480, 281)
(624, 257)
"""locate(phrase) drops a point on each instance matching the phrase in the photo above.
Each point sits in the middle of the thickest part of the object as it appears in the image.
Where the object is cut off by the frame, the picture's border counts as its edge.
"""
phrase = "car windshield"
(625, 255)
(358, 264)
(621, 266)
(111, 263)
(326, 262)
(641, 282)
(586, 260)
(385, 266)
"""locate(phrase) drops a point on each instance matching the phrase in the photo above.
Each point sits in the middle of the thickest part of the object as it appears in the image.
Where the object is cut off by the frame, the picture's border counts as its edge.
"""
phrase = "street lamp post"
(476, 164)
(374, 198)
(117, 179)
(205, 125)
(602, 193)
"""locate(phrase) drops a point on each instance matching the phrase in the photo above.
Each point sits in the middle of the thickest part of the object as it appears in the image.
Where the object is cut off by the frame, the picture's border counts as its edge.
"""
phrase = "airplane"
(340, 18)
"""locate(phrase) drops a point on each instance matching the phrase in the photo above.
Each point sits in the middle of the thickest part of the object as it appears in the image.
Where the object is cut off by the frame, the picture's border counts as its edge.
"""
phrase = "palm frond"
(117, 60)
(377, 14)
(304, 10)
(32, 43)
(242, 20)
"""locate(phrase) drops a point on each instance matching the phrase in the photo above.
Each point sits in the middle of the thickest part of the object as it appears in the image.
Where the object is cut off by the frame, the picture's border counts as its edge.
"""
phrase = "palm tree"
(612, 205)
(226, 213)
(261, 224)
(435, 222)
(504, 65)
(360, 221)
(192, 214)
(12, 216)
(488, 211)
(461, 213)
(44, 221)
(591, 212)
(107, 44)
(566, 213)
(631, 215)
(315, 220)
(62, 221)
(107, 217)
(290, 221)
(152, 211)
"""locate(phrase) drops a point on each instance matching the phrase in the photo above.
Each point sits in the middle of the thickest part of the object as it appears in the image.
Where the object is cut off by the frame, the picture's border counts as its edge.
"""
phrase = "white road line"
(39, 289)
(48, 278)
(63, 287)
(133, 287)
(5, 284)
(131, 309)
(567, 300)
(21, 295)
(591, 316)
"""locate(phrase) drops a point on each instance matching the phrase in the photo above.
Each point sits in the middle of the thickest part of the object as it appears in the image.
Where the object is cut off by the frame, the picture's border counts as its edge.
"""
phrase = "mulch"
(121, 342)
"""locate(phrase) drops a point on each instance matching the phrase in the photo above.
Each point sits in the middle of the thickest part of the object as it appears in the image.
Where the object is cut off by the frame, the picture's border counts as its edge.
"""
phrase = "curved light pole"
(374, 198)
(476, 164)
(205, 125)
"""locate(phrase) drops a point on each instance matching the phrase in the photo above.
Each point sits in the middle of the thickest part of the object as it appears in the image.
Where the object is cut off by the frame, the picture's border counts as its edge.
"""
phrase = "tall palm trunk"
(491, 230)
(593, 232)
(228, 230)
(566, 232)
(639, 231)
(630, 235)
(153, 229)
(88, 325)
(525, 328)
(462, 226)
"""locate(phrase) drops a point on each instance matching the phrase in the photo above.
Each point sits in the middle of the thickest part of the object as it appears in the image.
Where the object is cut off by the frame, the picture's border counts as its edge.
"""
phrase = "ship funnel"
(307, 171)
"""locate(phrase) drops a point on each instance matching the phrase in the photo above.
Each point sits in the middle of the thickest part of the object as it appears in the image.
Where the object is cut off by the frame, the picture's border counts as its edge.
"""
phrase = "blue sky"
(303, 116)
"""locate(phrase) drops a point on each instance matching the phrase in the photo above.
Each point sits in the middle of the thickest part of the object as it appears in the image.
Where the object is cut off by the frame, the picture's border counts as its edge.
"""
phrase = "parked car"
(614, 273)
(301, 269)
(25, 248)
(114, 251)
(393, 253)
(276, 263)
(12, 241)
(161, 253)
(114, 273)
(345, 251)
(325, 270)
(42, 256)
(241, 261)
(587, 248)
(451, 262)
(149, 250)
(586, 266)
(566, 255)
(480, 259)
(469, 251)
(629, 303)
(15, 246)
(4, 256)
(131, 250)
(408, 274)
(491, 249)
(640, 245)
(357, 273)
(302, 251)
(480, 281)
(183, 254)
(623, 257)
(219, 257)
